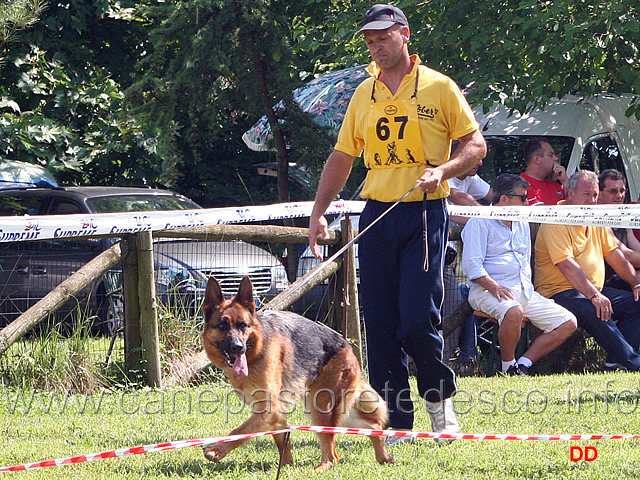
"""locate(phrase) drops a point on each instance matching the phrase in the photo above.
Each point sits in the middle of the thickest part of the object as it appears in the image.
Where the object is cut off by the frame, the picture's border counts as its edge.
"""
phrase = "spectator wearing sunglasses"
(613, 190)
(569, 268)
(497, 259)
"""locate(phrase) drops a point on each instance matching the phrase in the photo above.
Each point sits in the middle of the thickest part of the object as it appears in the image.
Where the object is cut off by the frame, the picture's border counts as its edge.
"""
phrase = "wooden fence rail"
(64, 292)
(135, 251)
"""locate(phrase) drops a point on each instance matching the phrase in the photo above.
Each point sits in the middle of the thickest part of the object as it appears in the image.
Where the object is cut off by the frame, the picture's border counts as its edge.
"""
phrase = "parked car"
(315, 304)
(29, 270)
(590, 133)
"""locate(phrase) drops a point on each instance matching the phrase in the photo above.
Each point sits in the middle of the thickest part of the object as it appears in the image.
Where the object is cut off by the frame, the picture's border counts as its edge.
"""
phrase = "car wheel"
(110, 313)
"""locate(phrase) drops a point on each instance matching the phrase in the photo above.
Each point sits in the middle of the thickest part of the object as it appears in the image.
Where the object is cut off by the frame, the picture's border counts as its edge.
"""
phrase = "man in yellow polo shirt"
(569, 268)
(403, 118)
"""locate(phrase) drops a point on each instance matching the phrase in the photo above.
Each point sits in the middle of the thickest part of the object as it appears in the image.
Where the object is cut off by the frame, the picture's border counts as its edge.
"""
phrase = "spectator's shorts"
(542, 312)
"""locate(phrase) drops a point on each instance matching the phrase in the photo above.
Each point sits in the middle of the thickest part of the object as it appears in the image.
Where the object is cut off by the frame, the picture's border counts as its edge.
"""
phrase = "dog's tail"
(366, 409)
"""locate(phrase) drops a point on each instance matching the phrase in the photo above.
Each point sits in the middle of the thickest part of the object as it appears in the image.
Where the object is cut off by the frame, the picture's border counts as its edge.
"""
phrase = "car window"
(12, 205)
(505, 154)
(64, 207)
(601, 154)
(139, 203)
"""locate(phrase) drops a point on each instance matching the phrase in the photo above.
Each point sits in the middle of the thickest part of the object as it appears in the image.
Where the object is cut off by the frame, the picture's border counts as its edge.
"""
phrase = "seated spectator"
(613, 188)
(468, 188)
(569, 268)
(497, 259)
(542, 163)
(465, 189)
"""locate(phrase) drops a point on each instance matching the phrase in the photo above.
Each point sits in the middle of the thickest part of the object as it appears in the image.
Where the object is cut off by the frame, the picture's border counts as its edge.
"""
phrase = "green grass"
(591, 403)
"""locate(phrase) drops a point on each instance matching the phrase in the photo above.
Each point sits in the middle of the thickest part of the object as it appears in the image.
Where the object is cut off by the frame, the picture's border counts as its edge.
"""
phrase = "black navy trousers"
(402, 303)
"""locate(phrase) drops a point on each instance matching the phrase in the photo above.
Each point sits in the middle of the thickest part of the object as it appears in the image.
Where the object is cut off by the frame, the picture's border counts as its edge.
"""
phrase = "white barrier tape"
(45, 227)
(623, 216)
(158, 447)
(161, 447)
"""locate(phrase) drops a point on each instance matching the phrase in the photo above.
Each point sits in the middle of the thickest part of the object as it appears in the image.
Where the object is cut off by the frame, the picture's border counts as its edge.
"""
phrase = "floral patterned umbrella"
(326, 97)
(14, 171)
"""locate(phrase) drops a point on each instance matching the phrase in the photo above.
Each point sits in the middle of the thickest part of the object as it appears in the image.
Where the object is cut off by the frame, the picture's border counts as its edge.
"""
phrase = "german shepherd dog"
(273, 358)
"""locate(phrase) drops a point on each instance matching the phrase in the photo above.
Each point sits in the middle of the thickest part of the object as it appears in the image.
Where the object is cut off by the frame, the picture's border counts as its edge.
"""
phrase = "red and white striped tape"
(161, 447)
(457, 436)
(123, 452)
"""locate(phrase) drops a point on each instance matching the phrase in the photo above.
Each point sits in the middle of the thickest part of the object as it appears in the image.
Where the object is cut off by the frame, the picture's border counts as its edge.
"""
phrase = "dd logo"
(588, 454)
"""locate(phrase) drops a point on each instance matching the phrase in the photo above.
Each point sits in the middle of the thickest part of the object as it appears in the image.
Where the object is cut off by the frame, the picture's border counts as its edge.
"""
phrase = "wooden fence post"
(132, 338)
(351, 303)
(148, 309)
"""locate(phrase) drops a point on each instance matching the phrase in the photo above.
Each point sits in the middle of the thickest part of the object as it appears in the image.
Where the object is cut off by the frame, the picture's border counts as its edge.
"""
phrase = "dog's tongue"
(240, 367)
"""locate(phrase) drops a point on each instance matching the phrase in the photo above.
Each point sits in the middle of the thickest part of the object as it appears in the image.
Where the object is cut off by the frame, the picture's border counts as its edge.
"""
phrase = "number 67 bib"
(393, 135)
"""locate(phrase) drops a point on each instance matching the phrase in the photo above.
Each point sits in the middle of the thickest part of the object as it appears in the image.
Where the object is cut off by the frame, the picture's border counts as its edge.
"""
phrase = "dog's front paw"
(324, 466)
(215, 453)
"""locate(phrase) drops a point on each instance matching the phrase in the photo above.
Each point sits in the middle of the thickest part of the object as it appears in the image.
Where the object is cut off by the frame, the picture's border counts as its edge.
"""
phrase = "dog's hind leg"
(323, 413)
(328, 451)
(370, 410)
(359, 419)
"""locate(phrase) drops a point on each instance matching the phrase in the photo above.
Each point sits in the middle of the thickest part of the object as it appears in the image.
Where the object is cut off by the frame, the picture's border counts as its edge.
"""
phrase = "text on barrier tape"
(198, 442)
(46, 227)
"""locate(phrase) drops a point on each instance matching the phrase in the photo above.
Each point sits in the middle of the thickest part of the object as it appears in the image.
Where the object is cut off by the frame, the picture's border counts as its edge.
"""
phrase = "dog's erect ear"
(213, 296)
(245, 295)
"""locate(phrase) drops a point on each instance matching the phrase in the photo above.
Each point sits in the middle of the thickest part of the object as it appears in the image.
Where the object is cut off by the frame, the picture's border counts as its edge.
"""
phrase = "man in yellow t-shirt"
(569, 268)
(404, 119)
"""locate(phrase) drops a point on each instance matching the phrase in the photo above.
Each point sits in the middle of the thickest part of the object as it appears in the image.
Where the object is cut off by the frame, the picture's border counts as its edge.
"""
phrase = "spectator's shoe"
(395, 441)
(613, 367)
(443, 419)
(513, 371)
(524, 370)
(465, 366)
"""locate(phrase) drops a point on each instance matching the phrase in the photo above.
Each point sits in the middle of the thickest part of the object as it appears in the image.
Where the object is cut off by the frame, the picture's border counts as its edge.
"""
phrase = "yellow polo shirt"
(556, 243)
(443, 115)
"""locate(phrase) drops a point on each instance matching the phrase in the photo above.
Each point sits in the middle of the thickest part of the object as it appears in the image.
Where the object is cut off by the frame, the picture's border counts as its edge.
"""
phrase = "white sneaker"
(443, 419)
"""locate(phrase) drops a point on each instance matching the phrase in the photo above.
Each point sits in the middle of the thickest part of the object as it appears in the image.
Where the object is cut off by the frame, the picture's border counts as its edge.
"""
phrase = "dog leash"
(353, 240)
(283, 447)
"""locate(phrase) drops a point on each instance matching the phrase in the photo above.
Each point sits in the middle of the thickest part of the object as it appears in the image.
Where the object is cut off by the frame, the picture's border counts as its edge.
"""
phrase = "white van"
(590, 133)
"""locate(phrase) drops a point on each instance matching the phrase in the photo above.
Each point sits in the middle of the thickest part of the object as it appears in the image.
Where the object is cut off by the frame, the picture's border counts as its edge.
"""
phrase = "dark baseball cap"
(381, 17)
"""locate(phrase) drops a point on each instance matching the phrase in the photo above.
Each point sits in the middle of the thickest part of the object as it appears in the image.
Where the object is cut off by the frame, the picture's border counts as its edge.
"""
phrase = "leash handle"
(425, 233)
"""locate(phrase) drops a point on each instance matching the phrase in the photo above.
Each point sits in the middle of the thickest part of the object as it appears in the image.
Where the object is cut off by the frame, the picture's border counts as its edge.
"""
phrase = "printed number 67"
(383, 131)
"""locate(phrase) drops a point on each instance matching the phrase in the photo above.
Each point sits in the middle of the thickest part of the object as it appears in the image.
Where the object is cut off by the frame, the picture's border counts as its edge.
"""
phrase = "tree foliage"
(132, 91)
(216, 66)
(61, 98)
(525, 52)
(17, 15)
(518, 52)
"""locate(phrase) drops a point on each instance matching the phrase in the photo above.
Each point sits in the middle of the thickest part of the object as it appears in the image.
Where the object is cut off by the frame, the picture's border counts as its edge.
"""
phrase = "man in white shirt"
(468, 188)
(497, 259)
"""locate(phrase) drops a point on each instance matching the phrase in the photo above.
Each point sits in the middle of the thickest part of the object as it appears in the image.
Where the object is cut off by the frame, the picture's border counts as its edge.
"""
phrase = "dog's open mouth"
(239, 366)
(238, 363)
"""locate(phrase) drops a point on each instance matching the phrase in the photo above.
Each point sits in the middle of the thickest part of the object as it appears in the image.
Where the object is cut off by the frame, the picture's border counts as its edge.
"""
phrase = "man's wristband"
(598, 293)
(637, 285)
